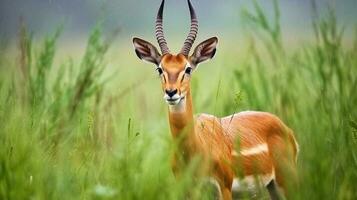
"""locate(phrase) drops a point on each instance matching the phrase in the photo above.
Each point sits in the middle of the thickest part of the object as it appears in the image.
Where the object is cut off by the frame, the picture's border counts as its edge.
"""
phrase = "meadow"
(74, 130)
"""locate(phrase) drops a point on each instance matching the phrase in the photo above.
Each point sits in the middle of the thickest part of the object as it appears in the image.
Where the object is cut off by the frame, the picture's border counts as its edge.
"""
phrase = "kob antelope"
(259, 144)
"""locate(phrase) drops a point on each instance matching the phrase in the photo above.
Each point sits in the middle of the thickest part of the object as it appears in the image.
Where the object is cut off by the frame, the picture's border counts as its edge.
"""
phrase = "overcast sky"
(137, 16)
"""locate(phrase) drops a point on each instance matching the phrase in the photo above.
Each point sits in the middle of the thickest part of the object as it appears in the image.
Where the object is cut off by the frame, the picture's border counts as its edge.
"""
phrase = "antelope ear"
(204, 51)
(146, 51)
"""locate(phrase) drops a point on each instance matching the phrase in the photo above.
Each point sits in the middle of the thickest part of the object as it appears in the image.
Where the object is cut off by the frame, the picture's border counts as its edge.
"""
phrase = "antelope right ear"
(204, 51)
(146, 51)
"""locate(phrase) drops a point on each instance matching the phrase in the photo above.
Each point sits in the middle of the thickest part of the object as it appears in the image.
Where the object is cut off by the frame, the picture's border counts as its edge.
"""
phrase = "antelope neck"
(181, 117)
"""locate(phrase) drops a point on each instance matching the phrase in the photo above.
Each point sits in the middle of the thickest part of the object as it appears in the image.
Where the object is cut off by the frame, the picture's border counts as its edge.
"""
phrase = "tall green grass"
(64, 135)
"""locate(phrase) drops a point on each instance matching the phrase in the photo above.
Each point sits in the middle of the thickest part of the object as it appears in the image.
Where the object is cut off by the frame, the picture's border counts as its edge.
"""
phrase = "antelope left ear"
(146, 51)
(204, 51)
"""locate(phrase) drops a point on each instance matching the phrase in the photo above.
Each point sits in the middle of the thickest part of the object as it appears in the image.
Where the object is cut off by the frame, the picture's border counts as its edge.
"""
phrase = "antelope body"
(247, 145)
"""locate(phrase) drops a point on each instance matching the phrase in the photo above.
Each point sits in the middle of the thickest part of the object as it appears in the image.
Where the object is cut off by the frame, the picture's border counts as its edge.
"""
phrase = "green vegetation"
(66, 134)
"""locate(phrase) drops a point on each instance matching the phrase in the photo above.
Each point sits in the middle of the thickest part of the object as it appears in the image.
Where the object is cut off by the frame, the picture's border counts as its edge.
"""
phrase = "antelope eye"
(188, 70)
(159, 70)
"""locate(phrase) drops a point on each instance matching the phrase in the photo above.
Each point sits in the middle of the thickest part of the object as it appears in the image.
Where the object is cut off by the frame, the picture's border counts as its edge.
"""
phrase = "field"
(96, 127)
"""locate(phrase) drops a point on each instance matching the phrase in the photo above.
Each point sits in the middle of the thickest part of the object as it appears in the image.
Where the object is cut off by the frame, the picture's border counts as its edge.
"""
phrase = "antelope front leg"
(226, 193)
(224, 176)
(225, 184)
(274, 191)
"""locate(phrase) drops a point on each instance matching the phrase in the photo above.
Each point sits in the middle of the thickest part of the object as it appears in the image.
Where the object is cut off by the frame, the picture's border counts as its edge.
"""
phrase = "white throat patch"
(178, 108)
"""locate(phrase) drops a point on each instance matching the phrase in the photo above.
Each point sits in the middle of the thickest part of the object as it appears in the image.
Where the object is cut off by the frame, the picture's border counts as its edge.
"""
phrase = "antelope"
(246, 147)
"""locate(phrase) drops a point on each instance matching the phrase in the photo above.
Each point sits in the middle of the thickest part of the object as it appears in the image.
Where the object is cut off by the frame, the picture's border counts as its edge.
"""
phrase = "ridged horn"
(193, 31)
(159, 31)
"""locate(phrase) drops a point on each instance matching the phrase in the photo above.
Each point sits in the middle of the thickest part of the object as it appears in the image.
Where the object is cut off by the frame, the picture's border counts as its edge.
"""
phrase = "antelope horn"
(193, 31)
(159, 31)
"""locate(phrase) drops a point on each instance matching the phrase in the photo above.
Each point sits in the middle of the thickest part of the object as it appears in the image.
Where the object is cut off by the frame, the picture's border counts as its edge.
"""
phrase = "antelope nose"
(171, 93)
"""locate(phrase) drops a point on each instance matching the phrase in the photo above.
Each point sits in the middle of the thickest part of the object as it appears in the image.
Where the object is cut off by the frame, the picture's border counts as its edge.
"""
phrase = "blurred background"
(137, 17)
(81, 117)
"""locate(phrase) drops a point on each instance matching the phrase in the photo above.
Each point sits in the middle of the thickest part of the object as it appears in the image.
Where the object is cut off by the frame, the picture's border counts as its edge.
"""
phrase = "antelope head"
(175, 70)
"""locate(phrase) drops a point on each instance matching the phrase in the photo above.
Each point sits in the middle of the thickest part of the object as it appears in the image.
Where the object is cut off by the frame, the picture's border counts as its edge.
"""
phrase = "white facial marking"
(187, 65)
(167, 97)
(174, 100)
(254, 150)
